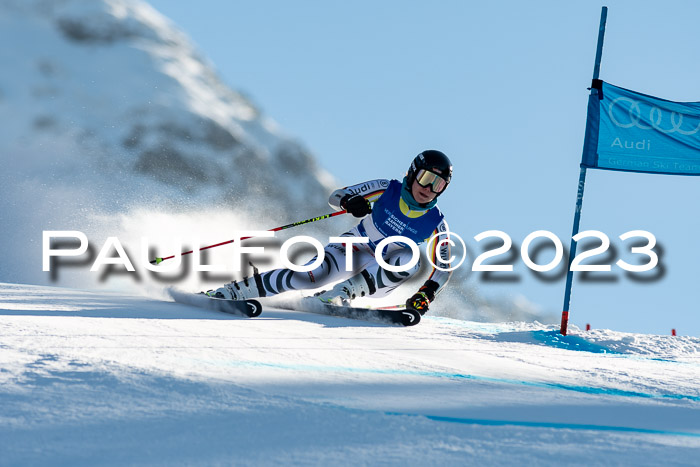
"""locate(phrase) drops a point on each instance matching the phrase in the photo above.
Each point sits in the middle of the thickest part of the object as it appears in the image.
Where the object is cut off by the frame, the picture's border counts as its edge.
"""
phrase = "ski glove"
(421, 300)
(356, 205)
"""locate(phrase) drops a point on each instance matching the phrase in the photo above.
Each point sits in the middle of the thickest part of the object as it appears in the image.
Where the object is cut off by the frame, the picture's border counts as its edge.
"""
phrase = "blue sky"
(501, 88)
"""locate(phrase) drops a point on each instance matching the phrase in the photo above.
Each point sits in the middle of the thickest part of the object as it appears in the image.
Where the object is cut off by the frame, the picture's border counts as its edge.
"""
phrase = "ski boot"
(344, 292)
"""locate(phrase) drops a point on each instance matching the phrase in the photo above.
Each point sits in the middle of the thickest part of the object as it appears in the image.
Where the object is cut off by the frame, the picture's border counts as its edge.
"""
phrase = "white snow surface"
(92, 378)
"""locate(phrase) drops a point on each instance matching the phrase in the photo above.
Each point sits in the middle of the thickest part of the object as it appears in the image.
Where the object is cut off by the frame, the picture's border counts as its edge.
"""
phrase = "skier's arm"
(438, 278)
(440, 251)
(370, 191)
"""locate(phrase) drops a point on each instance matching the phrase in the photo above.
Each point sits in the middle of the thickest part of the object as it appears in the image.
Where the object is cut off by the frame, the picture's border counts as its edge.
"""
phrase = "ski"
(387, 315)
(245, 308)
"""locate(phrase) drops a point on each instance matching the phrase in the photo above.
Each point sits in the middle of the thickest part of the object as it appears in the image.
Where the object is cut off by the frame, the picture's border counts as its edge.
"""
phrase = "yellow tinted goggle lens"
(425, 178)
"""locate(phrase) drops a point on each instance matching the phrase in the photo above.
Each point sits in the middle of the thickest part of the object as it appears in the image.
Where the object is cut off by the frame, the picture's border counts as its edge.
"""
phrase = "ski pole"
(276, 229)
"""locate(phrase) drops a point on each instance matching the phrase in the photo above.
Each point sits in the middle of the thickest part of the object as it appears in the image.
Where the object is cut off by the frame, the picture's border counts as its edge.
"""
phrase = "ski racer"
(408, 208)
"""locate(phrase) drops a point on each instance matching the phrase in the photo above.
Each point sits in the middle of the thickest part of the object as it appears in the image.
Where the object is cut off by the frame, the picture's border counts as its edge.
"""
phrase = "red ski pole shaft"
(276, 229)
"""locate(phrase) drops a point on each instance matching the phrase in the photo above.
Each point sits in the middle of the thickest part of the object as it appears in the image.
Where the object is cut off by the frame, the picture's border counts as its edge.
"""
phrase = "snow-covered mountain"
(108, 108)
(112, 87)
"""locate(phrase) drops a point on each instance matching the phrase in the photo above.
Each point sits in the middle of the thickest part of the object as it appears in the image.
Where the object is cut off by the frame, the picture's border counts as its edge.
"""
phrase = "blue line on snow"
(566, 426)
(570, 342)
(438, 374)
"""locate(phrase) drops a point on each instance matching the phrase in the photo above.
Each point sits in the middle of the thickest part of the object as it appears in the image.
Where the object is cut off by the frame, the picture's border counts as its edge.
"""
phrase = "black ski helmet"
(431, 159)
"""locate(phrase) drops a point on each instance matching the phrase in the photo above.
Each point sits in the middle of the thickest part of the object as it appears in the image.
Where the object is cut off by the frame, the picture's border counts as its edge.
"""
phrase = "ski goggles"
(436, 182)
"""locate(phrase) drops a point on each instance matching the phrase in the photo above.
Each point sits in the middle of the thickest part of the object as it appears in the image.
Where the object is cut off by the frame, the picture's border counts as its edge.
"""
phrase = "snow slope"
(114, 379)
